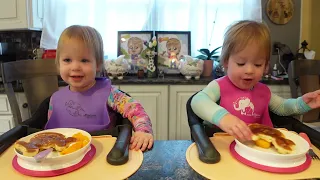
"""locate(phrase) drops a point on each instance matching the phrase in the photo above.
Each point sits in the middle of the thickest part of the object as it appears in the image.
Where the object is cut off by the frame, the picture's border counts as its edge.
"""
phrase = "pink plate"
(86, 159)
(255, 165)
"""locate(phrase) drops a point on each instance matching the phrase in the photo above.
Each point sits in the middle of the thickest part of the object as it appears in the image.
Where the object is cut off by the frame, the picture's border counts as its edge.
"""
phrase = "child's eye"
(258, 65)
(67, 60)
(84, 60)
(240, 64)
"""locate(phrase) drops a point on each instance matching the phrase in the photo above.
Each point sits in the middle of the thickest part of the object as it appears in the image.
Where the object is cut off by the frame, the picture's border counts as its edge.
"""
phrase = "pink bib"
(251, 106)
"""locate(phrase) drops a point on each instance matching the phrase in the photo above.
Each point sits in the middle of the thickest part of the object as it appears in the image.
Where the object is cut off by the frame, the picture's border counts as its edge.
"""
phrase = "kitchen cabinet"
(154, 99)
(21, 14)
(6, 118)
(178, 120)
(281, 90)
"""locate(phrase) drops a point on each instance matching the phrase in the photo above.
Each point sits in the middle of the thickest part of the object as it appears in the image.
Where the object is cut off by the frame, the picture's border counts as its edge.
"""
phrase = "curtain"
(205, 19)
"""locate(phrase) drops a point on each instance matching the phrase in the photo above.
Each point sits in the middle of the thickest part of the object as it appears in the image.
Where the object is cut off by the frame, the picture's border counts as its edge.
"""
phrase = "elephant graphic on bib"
(244, 105)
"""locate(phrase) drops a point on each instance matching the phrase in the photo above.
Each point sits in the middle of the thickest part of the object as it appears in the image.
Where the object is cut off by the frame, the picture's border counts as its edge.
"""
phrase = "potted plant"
(208, 57)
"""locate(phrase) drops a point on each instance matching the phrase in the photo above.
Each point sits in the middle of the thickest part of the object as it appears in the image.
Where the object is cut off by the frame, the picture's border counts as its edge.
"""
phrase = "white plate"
(54, 158)
(270, 157)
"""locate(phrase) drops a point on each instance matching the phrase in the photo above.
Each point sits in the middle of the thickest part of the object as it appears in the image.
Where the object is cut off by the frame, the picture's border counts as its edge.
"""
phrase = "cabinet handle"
(25, 105)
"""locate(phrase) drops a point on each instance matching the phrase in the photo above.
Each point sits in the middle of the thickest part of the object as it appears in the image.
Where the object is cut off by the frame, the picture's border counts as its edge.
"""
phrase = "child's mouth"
(76, 78)
(248, 80)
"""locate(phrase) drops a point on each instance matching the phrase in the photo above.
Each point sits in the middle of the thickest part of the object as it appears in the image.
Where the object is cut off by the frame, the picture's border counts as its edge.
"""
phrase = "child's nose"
(249, 69)
(75, 66)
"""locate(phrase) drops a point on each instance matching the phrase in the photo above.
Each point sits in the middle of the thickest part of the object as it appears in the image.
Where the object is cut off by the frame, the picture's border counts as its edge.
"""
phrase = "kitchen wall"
(288, 34)
(26, 41)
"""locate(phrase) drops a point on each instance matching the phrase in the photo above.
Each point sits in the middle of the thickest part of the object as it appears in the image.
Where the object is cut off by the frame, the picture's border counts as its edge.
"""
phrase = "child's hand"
(235, 127)
(141, 140)
(312, 99)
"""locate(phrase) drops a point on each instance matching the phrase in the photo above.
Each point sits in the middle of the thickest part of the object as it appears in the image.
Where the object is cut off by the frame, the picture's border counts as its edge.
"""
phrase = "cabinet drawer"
(4, 105)
(6, 123)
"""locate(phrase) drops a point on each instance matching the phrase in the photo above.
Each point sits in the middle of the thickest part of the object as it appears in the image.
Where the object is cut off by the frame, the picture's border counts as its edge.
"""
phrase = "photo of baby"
(171, 47)
(131, 44)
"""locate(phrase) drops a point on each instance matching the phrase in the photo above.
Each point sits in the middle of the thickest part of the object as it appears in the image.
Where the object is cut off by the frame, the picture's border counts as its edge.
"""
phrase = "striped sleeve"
(131, 109)
(204, 104)
(287, 107)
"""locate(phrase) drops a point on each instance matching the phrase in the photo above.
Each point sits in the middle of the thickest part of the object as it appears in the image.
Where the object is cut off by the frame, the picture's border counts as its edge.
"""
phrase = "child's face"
(77, 65)
(245, 68)
(134, 49)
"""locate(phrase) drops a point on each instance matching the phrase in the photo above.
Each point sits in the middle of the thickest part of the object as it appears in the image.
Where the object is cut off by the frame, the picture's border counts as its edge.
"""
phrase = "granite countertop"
(167, 160)
(167, 80)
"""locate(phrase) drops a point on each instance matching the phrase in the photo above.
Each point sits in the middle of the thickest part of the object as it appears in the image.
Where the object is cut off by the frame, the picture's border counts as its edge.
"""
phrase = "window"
(206, 19)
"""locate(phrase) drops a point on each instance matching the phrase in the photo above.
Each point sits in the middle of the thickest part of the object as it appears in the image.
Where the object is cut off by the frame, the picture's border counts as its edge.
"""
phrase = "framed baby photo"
(131, 44)
(172, 45)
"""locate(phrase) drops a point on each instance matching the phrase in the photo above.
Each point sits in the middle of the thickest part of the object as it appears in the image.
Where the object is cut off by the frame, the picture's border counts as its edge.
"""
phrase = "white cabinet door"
(281, 90)
(154, 99)
(6, 123)
(4, 105)
(178, 120)
(21, 14)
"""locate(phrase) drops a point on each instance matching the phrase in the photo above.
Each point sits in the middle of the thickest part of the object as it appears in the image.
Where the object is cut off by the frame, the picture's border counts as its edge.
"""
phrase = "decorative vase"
(151, 68)
(207, 68)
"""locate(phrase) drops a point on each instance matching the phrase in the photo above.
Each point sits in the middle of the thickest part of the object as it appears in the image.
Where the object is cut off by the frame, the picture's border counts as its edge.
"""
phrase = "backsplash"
(26, 42)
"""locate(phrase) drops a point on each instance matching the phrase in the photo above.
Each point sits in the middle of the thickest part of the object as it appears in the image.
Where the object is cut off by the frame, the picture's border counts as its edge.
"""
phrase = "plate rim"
(295, 169)
(273, 154)
(53, 130)
(85, 160)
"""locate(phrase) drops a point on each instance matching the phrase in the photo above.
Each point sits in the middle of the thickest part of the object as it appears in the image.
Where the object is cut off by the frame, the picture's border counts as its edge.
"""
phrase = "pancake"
(26, 149)
(43, 141)
(52, 140)
(273, 136)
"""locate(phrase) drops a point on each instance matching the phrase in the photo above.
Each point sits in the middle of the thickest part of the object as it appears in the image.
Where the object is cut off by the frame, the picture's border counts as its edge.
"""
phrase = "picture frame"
(172, 45)
(131, 44)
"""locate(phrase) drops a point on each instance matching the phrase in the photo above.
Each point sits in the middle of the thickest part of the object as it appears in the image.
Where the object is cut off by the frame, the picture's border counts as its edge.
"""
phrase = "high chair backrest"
(304, 75)
(39, 80)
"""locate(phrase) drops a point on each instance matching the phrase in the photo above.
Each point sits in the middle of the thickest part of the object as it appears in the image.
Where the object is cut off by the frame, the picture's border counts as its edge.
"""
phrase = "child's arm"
(50, 110)
(204, 105)
(131, 109)
(287, 107)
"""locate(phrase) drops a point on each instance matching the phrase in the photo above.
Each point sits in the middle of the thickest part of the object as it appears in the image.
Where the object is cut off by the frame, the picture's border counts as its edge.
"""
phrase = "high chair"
(201, 131)
(303, 77)
(40, 79)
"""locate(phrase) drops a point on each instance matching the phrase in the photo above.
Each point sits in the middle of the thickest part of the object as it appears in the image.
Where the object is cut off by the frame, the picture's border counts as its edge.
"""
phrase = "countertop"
(157, 165)
(167, 80)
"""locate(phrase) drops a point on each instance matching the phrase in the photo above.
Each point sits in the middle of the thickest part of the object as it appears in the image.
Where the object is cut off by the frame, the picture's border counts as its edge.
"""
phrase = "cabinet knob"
(25, 105)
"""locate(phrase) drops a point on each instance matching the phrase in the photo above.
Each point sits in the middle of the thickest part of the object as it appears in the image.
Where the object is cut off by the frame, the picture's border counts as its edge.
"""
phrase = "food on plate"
(265, 136)
(27, 149)
(57, 141)
(263, 143)
(72, 148)
(53, 140)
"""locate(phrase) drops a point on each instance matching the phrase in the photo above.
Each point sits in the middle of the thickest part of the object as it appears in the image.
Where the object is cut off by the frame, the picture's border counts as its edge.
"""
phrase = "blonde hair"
(174, 41)
(88, 35)
(136, 41)
(240, 34)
